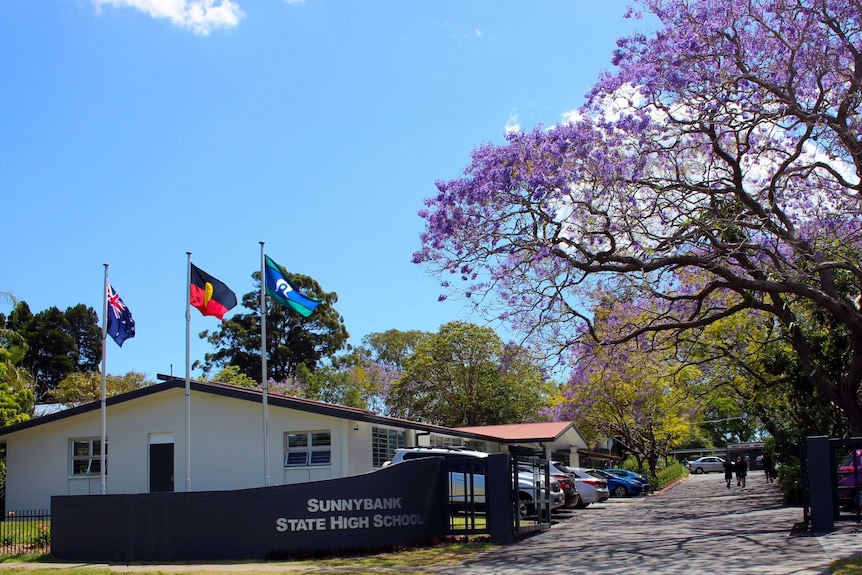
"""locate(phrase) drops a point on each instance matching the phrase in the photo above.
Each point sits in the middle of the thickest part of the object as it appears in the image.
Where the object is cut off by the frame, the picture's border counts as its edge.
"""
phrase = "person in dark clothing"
(741, 471)
(768, 468)
(728, 472)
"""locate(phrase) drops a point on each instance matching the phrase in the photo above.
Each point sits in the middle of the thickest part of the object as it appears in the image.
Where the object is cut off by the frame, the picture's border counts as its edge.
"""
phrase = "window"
(87, 456)
(307, 448)
(384, 443)
(447, 441)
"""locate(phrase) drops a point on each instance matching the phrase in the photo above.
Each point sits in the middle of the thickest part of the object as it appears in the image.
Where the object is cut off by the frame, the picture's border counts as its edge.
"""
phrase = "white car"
(706, 464)
(591, 489)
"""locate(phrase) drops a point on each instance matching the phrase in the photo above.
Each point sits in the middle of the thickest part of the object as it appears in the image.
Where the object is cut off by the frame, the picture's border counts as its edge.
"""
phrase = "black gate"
(502, 500)
(531, 494)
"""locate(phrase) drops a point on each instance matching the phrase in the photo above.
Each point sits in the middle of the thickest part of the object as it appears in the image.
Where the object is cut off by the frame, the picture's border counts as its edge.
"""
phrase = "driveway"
(697, 526)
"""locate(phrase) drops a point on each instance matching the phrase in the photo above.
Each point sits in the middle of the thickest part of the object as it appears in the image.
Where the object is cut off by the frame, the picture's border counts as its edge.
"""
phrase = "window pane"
(320, 458)
(79, 466)
(296, 458)
(80, 448)
(97, 448)
(321, 439)
(297, 440)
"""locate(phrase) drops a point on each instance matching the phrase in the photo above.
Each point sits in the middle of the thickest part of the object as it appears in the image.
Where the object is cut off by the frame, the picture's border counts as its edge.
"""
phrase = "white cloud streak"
(512, 124)
(198, 16)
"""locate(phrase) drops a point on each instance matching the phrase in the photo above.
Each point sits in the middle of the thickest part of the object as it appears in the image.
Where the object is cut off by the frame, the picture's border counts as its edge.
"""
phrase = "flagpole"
(188, 371)
(103, 404)
(263, 379)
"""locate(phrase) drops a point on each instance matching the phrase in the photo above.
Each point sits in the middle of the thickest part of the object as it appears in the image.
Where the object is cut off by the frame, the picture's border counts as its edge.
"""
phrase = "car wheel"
(620, 491)
(525, 508)
(698, 471)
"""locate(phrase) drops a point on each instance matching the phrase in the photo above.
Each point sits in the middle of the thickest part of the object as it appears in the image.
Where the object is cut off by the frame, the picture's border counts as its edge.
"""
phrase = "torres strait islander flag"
(282, 290)
(209, 295)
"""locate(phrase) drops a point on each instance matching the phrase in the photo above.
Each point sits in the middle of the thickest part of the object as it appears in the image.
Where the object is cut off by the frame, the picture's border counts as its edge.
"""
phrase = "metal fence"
(25, 532)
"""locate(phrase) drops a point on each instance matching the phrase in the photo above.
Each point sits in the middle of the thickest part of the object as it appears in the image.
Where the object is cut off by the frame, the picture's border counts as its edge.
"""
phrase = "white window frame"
(308, 448)
(384, 442)
(85, 456)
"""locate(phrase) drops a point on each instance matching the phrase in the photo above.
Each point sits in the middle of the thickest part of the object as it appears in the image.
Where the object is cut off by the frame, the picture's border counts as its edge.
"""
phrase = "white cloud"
(512, 124)
(478, 33)
(199, 16)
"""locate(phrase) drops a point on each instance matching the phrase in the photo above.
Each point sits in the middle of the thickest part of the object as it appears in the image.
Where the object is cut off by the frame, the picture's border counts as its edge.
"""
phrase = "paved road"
(697, 527)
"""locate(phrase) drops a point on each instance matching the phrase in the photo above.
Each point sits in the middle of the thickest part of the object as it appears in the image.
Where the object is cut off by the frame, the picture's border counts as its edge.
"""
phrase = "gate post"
(498, 499)
(820, 484)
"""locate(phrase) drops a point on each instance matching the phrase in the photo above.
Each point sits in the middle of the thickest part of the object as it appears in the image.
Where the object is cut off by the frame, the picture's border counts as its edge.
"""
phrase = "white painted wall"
(226, 448)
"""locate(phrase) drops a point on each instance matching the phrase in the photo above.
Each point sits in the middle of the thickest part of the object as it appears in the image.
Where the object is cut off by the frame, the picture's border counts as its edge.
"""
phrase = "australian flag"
(121, 326)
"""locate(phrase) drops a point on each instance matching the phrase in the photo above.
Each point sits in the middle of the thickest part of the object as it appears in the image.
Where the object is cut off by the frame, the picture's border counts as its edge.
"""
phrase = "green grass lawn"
(444, 554)
(847, 567)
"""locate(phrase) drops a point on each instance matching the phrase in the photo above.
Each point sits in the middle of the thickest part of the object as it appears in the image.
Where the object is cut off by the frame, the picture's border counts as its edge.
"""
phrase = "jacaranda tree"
(726, 147)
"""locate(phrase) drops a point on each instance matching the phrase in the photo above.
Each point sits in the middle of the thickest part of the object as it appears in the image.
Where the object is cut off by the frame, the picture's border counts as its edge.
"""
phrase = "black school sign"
(400, 505)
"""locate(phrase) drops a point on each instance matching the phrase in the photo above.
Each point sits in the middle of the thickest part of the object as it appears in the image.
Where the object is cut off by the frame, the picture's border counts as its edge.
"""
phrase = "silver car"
(706, 464)
(591, 489)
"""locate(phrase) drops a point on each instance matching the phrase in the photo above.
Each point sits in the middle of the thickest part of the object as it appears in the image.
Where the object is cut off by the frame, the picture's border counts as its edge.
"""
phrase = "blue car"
(623, 486)
(631, 474)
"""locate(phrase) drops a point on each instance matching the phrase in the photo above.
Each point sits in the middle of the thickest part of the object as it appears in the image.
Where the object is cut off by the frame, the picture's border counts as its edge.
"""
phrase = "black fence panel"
(25, 532)
(396, 506)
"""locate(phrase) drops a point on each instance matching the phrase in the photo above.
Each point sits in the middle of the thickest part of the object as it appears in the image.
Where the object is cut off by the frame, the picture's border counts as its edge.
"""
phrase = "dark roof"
(246, 394)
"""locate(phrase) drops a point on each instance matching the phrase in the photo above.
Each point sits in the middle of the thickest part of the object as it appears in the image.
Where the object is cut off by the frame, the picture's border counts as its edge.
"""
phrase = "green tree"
(85, 330)
(465, 376)
(59, 343)
(232, 375)
(637, 392)
(86, 386)
(291, 340)
(392, 347)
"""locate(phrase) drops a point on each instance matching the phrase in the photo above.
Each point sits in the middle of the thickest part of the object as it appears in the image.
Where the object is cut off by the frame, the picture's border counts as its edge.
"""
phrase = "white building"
(59, 454)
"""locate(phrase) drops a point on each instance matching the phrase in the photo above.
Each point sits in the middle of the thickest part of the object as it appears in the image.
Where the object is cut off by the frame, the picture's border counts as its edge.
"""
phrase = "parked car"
(620, 472)
(706, 464)
(621, 486)
(591, 489)
(850, 480)
(530, 488)
(567, 483)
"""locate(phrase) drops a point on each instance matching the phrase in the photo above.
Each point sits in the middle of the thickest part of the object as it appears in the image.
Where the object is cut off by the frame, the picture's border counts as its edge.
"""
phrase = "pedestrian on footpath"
(728, 471)
(768, 467)
(741, 471)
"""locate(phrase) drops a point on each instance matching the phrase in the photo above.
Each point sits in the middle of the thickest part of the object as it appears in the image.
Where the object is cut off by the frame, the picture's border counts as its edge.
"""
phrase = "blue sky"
(134, 131)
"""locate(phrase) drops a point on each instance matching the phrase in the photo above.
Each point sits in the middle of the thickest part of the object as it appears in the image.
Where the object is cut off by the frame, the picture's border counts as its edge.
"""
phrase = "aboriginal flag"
(209, 295)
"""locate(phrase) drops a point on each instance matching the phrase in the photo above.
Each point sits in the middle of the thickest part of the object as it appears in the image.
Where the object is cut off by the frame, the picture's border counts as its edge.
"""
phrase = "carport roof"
(548, 431)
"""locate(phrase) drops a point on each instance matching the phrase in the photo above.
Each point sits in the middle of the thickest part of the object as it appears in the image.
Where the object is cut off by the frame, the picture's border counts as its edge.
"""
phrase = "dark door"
(161, 467)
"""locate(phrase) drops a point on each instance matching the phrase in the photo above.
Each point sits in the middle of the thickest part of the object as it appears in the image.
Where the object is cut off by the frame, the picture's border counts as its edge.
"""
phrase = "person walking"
(768, 467)
(741, 471)
(728, 471)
